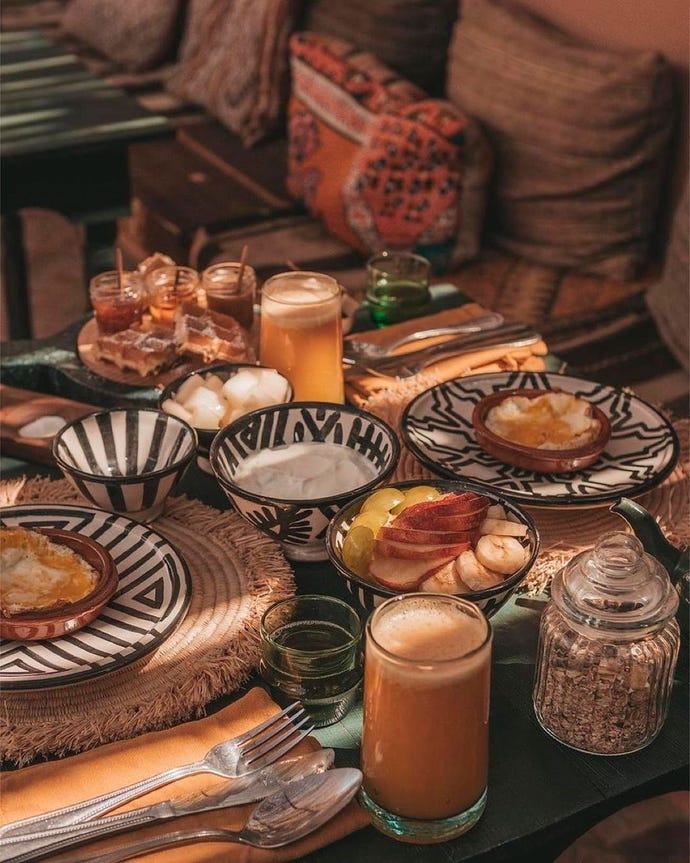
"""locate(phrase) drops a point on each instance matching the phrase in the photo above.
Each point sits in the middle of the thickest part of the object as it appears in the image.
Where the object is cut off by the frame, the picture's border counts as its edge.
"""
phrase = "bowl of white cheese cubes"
(210, 399)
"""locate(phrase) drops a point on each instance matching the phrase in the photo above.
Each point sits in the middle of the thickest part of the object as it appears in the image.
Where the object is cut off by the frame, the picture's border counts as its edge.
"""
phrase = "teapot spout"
(650, 535)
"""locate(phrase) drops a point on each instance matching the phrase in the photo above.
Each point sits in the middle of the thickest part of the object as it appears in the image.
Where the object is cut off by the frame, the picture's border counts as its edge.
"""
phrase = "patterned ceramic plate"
(642, 450)
(152, 597)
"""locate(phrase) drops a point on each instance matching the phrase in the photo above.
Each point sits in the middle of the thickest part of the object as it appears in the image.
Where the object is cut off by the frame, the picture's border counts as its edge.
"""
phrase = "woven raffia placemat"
(236, 573)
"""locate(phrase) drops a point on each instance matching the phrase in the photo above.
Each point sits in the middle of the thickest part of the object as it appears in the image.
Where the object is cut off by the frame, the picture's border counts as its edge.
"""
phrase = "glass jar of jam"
(226, 294)
(117, 300)
(169, 288)
(608, 647)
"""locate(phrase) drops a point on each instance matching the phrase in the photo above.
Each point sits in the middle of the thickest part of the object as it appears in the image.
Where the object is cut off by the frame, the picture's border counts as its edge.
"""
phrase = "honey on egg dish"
(39, 574)
(552, 421)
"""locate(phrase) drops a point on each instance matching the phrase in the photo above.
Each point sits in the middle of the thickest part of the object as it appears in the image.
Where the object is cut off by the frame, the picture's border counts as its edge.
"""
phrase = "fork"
(406, 365)
(357, 349)
(242, 755)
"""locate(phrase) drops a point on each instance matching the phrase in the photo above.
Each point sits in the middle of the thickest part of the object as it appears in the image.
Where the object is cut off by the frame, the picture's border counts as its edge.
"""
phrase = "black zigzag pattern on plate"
(642, 451)
(153, 594)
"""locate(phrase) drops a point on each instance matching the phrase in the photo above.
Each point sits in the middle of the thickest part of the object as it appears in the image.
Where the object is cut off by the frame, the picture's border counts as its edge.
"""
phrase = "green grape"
(416, 495)
(384, 498)
(357, 548)
(371, 518)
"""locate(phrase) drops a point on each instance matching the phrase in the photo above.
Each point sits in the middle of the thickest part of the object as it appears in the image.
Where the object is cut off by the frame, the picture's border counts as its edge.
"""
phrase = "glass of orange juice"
(427, 666)
(301, 334)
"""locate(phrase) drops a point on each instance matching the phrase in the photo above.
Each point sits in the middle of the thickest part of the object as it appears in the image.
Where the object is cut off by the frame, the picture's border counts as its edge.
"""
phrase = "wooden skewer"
(118, 264)
(291, 264)
(243, 263)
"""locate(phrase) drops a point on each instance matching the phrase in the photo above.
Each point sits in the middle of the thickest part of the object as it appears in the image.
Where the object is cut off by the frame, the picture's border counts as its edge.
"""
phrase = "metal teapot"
(676, 561)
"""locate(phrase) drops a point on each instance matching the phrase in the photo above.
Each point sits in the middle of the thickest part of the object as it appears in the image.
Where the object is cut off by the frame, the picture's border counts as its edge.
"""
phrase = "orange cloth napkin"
(360, 387)
(42, 787)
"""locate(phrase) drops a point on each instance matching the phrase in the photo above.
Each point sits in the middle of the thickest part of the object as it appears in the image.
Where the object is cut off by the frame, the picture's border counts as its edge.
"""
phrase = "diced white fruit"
(187, 388)
(274, 385)
(213, 382)
(502, 554)
(240, 386)
(170, 406)
(203, 418)
(205, 399)
(231, 413)
(475, 575)
(502, 527)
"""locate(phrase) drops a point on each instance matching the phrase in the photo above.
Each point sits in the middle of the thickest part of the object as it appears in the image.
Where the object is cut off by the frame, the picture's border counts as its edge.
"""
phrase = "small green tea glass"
(311, 651)
(397, 287)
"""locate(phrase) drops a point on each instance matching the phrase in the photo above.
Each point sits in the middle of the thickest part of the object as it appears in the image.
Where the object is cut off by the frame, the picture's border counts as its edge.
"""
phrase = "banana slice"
(502, 527)
(473, 573)
(503, 554)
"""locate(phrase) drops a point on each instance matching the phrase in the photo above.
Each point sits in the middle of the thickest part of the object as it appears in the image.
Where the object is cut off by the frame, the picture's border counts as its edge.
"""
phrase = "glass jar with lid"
(608, 646)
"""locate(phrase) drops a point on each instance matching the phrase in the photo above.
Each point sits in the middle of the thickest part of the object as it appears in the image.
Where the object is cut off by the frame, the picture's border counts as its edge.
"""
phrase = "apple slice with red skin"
(399, 574)
(425, 537)
(417, 551)
(430, 520)
(451, 504)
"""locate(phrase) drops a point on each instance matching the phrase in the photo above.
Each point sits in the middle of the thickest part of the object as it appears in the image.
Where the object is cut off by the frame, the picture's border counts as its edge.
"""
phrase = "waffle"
(211, 335)
(143, 351)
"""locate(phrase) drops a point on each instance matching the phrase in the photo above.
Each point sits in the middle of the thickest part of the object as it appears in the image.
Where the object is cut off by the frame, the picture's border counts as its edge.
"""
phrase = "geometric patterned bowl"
(369, 593)
(300, 525)
(126, 460)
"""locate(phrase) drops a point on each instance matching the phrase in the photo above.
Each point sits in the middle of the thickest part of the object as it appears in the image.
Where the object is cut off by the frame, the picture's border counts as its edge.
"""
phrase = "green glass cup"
(397, 287)
(311, 651)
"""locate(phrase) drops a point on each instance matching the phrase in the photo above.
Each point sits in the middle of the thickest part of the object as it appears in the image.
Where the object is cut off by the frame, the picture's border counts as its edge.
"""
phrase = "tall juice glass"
(427, 666)
(301, 334)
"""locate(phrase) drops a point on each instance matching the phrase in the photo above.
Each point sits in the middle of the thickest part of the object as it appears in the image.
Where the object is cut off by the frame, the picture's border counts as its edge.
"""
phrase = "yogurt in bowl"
(289, 468)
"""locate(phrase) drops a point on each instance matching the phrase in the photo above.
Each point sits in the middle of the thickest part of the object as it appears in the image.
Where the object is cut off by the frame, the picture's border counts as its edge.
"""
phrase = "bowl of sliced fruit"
(444, 536)
(210, 399)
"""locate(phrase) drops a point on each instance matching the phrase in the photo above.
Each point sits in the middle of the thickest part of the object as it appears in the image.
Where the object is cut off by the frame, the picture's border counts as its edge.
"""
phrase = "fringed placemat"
(236, 573)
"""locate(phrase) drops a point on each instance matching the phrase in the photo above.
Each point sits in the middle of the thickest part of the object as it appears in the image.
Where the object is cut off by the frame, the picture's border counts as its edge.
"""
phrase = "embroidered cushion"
(137, 34)
(381, 164)
(580, 137)
(234, 62)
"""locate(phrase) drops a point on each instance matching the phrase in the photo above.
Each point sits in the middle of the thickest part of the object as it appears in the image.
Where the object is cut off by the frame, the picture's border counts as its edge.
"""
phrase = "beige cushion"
(234, 62)
(410, 36)
(669, 299)
(139, 34)
(580, 137)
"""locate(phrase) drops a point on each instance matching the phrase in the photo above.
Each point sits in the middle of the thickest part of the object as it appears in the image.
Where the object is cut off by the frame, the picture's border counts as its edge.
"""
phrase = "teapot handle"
(650, 535)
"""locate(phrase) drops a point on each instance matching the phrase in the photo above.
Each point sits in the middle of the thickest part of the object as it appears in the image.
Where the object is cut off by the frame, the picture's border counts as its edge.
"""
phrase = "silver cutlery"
(358, 350)
(241, 756)
(296, 810)
(405, 365)
(246, 789)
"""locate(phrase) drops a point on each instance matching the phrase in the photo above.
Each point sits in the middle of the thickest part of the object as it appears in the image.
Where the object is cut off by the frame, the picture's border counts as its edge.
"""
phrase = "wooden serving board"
(85, 348)
(19, 407)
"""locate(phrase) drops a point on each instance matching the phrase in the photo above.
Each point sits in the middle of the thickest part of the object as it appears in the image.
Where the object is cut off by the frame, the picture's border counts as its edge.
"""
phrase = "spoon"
(296, 810)
(356, 349)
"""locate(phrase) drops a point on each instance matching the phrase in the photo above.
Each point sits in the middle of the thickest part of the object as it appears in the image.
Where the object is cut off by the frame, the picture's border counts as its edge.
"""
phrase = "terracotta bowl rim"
(104, 590)
(590, 448)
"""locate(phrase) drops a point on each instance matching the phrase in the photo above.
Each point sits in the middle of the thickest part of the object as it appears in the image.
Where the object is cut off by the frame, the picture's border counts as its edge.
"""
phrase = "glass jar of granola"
(608, 646)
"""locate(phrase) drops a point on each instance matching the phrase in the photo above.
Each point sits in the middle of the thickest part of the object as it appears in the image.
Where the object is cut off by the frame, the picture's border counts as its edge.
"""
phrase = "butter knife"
(30, 846)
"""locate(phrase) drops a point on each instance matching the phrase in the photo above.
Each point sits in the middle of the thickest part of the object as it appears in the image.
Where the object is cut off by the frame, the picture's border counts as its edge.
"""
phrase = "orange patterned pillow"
(381, 164)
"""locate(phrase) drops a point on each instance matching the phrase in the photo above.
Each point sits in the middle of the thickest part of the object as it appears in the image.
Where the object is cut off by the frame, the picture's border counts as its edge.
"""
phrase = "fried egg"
(39, 574)
(551, 421)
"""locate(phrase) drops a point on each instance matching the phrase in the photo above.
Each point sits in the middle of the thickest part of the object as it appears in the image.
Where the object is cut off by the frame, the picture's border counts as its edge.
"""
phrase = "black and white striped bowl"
(126, 460)
(300, 525)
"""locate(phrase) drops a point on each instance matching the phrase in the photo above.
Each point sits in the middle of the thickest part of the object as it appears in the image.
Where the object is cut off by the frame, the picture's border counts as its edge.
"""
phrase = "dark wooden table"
(65, 144)
(542, 795)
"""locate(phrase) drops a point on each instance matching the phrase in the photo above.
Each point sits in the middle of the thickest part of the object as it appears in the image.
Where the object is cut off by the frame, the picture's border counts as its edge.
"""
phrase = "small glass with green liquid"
(397, 287)
(311, 651)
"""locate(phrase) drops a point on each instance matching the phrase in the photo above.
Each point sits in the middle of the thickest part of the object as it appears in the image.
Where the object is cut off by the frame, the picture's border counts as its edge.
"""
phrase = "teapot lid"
(615, 586)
